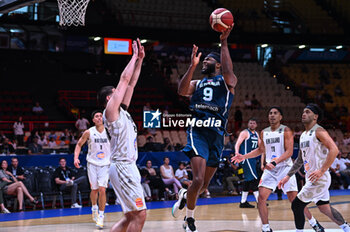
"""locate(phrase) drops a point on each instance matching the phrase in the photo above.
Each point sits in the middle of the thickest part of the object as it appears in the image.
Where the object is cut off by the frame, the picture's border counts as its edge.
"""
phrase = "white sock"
(256, 195)
(345, 227)
(266, 227)
(101, 213)
(189, 213)
(94, 207)
(185, 195)
(244, 197)
(299, 230)
(312, 221)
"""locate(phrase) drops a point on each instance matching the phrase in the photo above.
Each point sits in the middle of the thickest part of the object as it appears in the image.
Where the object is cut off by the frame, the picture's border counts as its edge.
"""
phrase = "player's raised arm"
(135, 77)
(186, 86)
(112, 108)
(78, 146)
(226, 62)
(323, 136)
(242, 136)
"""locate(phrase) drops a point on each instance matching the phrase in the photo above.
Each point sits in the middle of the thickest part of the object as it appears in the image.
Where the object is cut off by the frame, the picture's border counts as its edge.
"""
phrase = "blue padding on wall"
(52, 160)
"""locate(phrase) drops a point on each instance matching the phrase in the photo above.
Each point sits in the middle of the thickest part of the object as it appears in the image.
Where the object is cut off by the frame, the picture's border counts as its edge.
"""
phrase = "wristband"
(273, 163)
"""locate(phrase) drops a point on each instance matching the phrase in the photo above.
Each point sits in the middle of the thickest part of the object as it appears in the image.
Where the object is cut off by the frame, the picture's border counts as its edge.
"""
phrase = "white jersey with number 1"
(274, 145)
(99, 148)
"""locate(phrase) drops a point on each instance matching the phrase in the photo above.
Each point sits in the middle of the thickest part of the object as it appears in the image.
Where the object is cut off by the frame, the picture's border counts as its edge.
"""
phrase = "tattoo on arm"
(337, 216)
(296, 166)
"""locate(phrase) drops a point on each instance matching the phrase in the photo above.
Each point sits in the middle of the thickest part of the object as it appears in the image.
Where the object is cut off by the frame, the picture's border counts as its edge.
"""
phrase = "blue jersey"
(249, 165)
(211, 101)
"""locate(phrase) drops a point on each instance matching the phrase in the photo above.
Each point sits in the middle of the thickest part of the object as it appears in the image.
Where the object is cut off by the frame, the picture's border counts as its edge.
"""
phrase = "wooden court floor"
(227, 217)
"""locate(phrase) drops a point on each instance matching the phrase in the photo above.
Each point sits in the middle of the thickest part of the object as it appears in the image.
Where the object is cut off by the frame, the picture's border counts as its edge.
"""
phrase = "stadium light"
(264, 45)
(339, 47)
(143, 41)
(302, 46)
(97, 38)
(219, 44)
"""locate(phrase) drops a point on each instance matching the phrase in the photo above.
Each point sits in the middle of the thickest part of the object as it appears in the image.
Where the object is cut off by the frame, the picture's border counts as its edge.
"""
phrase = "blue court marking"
(49, 213)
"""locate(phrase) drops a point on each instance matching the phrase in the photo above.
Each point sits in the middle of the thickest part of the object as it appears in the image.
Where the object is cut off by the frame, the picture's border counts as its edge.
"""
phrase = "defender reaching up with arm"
(123, 133)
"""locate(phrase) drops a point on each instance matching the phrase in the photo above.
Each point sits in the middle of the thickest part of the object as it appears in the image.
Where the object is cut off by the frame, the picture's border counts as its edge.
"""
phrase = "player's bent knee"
(298, 205)
(101, 190)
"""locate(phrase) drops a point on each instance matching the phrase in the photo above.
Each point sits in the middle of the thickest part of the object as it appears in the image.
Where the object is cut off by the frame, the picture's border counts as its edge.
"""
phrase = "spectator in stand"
(6, 147)
(52, 135)
(150, 144)
(255, 103)
(167, 146)
(14, 187)
(145, 184)
(2, 136)
(339, 173)
(37, 109)
(168, 176)
(297, 133)
(247, 102)
(230, 145)
(182, 175)
(34, 148)
(238, 118)
(65, 180)
(30, 139)
(346, 140)
(18, 131)
(16, 170)
(82, 124)
(155, 181)
(52, 143)
(42, 140)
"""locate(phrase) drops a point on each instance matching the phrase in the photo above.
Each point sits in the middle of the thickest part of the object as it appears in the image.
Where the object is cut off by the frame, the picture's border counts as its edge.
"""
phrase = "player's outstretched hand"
(282, 182)
(194, 57)
(226, 32)
(315, 175)
(237, 158)
(76, 163)
(141, 53)
(135, 49)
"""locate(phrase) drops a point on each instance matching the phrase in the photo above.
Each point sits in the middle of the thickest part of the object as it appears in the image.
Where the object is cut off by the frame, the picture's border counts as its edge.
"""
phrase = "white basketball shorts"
(316, 191)
(98, 175)
(270, 179)
(126, 182)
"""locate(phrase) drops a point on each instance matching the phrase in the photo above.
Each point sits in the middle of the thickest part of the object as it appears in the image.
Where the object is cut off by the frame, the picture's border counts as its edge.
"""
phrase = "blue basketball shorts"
(206, 143)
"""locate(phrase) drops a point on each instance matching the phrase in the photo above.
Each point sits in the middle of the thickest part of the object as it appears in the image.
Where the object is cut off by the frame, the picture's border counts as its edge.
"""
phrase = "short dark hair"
(103, 93)
(95, 112)
(253, 119)
(14, 158)
(166, 157)
(316, 110)
(62, 158)
(277, 108)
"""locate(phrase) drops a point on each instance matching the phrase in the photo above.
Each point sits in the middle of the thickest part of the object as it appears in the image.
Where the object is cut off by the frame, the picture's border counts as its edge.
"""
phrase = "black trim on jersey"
(125, 107)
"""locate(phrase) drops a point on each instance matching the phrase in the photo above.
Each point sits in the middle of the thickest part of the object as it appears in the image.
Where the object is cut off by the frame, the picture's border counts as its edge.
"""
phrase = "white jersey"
(274, 145)
(123, 134)
(99, 148)
(314, 153)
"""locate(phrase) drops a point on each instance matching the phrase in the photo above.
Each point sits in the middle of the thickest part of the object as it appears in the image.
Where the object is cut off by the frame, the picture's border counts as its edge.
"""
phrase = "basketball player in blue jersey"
(247, 141)
(211, 99)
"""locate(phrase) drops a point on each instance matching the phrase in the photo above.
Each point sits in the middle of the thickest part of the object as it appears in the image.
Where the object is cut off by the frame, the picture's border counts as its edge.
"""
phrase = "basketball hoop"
(72, 12)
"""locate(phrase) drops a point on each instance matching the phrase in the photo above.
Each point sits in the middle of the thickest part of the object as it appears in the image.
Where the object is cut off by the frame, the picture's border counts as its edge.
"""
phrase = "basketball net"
(72, 12)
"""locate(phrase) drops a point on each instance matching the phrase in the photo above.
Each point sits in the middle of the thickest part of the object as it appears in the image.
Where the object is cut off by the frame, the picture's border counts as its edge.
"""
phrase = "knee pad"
(298, 205)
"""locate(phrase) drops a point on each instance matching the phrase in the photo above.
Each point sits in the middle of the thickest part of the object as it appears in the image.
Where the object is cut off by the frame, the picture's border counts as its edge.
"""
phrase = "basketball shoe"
(318, 227)
(99, 221)
(180, 204)
(94, 214)
(189, 225)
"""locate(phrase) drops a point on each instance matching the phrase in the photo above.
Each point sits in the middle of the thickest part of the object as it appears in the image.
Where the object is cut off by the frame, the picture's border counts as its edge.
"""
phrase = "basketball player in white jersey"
(277, 144)
(98, 160)
(123, 172)
(317, 153)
